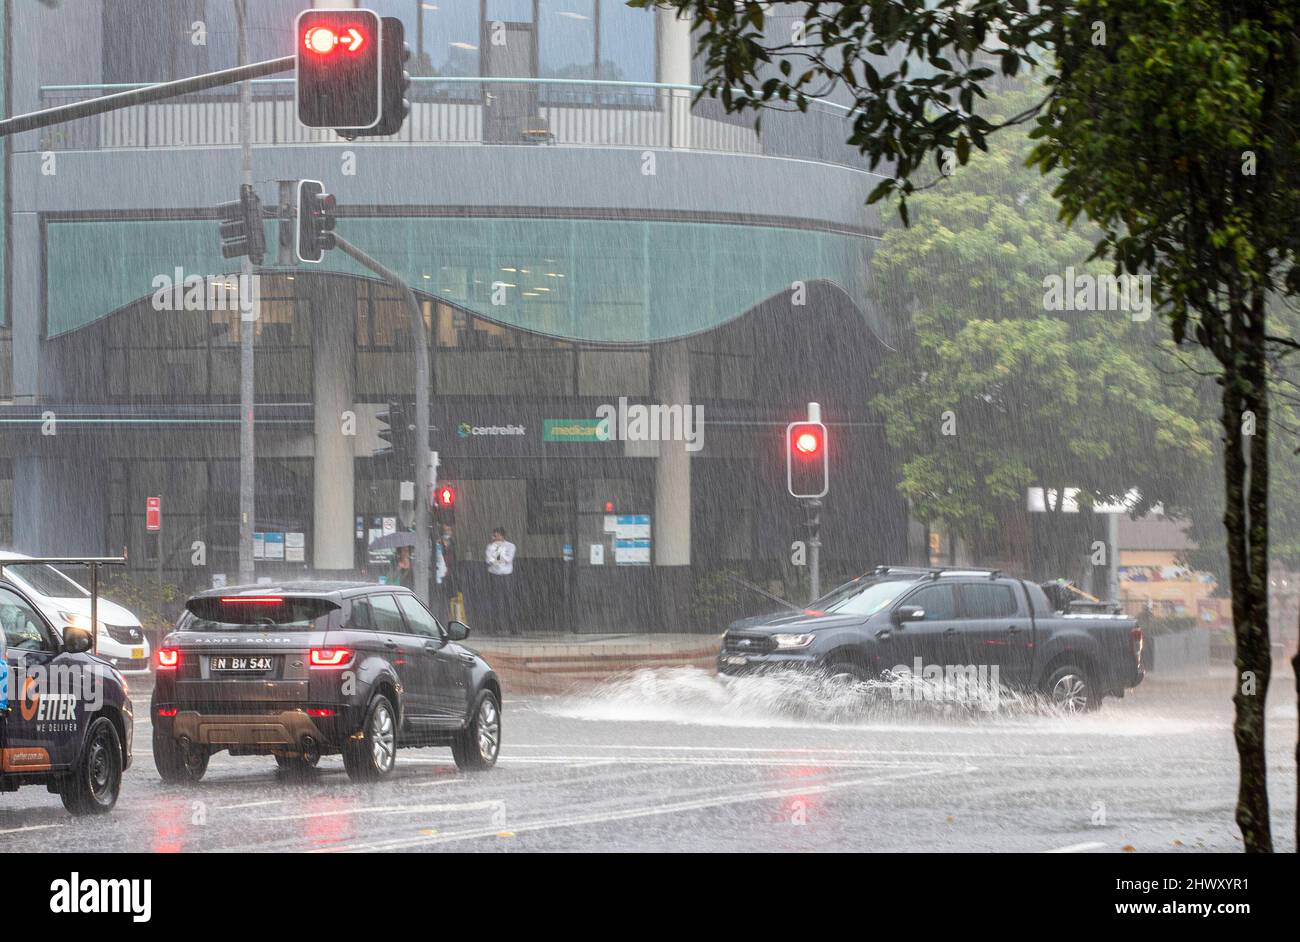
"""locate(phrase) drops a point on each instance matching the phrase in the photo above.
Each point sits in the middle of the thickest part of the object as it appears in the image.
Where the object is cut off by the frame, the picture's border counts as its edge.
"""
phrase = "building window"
(566, 48)
(628, 50)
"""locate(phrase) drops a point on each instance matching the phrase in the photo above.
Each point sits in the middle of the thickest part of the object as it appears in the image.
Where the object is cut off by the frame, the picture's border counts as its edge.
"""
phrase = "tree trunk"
(1246, 519)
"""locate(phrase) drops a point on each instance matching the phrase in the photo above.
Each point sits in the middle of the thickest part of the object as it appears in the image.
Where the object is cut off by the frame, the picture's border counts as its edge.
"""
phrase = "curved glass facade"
(602, 281)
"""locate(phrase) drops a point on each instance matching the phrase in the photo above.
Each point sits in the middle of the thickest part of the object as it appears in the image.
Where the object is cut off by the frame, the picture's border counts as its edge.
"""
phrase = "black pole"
(142, 96)
(421, 557)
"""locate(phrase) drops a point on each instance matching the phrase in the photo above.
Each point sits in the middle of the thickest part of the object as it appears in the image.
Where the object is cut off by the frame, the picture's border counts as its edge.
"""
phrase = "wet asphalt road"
(683, 761)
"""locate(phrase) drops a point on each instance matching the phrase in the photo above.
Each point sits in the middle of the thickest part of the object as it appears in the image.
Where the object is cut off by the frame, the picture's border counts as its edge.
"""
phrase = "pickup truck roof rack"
(934, 572)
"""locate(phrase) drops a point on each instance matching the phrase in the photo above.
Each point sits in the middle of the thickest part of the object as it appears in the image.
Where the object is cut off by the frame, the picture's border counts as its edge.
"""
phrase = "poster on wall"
(632, 527)
(634, 552)
(275, 546)
(295, 547)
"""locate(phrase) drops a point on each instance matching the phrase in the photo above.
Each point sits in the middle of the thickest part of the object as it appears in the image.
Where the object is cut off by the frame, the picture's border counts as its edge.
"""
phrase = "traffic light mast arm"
(141, 96)
(421, 557)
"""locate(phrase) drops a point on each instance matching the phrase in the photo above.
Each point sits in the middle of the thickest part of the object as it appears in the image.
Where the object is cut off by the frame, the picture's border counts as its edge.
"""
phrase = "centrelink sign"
(470, 430)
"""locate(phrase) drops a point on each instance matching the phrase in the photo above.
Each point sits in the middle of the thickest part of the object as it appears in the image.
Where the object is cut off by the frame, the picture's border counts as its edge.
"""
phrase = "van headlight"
(77, 620)
(792, 642)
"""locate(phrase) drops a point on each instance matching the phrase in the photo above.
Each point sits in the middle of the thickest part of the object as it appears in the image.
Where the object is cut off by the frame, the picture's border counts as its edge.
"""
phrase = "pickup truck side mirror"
(77, 640)
(457, 631)
(905, 613)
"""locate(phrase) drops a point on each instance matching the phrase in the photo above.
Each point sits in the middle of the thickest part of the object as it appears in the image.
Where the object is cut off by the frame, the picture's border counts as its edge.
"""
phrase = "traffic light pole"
(421, 559)
(247, 323)
(813, 507)
(143, 96)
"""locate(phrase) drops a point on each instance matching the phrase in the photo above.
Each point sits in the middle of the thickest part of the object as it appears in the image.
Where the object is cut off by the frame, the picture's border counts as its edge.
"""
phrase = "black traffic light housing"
(806, 464)
(241, 227)
(317, 215)
(339, 54)
(394, 83)
(400, 433)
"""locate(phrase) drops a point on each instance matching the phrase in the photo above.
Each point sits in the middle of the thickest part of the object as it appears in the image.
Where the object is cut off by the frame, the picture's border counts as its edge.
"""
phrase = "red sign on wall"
(153, 513)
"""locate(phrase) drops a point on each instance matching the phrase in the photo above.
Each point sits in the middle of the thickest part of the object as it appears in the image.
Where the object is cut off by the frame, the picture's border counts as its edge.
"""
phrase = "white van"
(65, 602)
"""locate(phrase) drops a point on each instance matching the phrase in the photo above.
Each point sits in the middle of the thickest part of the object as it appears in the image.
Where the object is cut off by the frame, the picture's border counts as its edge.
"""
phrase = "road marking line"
(249, 804)
(632, 813)
(813, 750)
(387, 809)
(1075, 848)
(795, 763)
(30, 827)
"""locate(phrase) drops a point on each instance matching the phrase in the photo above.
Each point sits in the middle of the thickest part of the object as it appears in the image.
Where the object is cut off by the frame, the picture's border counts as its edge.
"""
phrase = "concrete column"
(675, 49)
(61, 501)
(671, 528)
(333, 331)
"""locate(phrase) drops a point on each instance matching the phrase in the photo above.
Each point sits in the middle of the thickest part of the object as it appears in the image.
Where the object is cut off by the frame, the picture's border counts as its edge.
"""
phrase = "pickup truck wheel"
(94, 784)
(476, 749)
(1071, 689)
(176, 764)
(845, 674)
(372, 753)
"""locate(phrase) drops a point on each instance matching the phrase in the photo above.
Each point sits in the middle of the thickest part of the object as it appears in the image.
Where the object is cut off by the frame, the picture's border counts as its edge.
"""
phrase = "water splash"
(692, 696)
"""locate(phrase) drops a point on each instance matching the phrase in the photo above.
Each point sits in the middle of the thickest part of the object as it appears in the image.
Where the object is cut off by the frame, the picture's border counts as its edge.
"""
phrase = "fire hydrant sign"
(153, 514)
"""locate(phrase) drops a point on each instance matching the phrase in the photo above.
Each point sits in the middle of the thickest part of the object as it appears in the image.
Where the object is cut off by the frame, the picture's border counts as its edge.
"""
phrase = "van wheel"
(176, 764)
(371, 754)
(1070, 688)
(94, 784)
(477, 747)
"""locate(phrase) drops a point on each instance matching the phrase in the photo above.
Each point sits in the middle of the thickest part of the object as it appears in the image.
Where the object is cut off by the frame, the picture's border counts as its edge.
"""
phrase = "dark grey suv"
(302, 670)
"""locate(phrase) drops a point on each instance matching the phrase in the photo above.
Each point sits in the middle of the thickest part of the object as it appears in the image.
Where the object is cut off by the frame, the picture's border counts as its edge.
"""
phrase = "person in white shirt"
(500, 558)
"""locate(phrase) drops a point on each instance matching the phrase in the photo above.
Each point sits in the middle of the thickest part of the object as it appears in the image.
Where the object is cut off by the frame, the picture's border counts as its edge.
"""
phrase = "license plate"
(137, 653)
(237, 663)
(735, 660)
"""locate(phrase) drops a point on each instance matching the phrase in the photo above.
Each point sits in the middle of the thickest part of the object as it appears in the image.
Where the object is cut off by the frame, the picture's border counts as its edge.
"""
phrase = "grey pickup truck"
(916, 619)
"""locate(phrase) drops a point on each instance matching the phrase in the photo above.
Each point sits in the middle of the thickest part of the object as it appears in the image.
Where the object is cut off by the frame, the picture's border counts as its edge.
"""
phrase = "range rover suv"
(301, 670)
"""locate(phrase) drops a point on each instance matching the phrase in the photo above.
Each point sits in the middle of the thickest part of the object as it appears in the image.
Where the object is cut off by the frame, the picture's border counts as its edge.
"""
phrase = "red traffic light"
(446, 497)
(323, 40)
(807, 443)
(806, 465)
(338, 61)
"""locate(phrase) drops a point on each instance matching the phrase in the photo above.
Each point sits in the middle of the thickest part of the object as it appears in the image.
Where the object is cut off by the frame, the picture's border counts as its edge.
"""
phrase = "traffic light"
(339, 56)
(241, 227)
(806, 467)
(445, 497)
(395, 80)
(400, 433)
(317, 215)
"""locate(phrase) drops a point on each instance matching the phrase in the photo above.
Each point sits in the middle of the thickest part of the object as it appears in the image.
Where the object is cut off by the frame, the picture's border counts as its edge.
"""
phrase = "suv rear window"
(243, 613)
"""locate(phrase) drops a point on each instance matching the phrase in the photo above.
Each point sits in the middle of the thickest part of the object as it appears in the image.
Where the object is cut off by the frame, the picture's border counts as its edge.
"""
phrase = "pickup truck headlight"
(792, 642)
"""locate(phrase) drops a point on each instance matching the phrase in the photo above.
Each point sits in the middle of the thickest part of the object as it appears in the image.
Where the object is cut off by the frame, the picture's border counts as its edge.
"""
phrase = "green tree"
(994, 392)
(1173, 123)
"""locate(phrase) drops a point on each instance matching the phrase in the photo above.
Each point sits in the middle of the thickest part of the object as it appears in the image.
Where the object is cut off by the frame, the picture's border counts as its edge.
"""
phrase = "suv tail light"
(1137, 640)
(168, 658)
(331, 658)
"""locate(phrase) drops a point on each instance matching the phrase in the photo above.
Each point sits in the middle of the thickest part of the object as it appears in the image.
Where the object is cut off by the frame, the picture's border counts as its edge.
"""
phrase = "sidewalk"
(552, 662)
